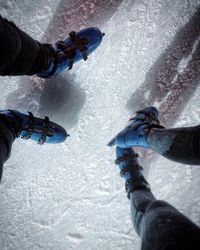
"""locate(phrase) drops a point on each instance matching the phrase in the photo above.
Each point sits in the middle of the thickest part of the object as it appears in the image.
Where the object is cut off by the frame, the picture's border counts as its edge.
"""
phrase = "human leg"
(22, 55)
(3, 154)
(14, 124)
(5, 148)
(177, 144)
(160, 225)
(7, 137)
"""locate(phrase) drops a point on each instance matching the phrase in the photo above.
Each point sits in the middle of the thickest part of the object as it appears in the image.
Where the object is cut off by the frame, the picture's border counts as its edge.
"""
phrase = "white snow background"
(70, 196)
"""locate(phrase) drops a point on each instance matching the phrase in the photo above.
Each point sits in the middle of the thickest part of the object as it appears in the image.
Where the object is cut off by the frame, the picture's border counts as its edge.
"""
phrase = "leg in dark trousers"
(21, 54)
(144, 130)
(7, 137)
(4, 154)
(160, 225)
(14, 124)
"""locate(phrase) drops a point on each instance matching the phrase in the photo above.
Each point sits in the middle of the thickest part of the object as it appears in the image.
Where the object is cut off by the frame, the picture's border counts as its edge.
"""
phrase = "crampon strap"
(70, 51)
(30, 128)
(135, 184)
(151, 121)
(126, 157)
(45, 131)
(129, 168)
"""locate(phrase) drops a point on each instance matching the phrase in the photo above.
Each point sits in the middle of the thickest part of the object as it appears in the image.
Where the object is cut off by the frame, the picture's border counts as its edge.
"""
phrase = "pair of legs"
(22, 55)
(160, 225)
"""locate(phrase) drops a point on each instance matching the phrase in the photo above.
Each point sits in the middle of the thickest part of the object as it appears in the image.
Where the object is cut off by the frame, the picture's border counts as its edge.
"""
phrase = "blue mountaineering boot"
(28, 126)
(130, 170)
(177, 144)
(74, 48)
(135, 134)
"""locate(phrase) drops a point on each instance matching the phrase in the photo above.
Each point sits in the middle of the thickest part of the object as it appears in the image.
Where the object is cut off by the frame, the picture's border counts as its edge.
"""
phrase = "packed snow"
(70, 196)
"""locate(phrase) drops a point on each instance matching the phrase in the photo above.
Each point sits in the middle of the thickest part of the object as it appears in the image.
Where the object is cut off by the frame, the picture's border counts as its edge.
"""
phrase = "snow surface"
(70, 196)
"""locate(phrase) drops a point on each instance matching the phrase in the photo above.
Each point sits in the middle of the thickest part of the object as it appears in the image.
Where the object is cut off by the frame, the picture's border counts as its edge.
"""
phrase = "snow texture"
(70, 196)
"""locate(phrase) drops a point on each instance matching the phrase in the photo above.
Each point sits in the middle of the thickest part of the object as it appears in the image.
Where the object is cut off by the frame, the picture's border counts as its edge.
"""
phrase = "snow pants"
(4, 154)
(160, 225)
(7, 137)
(21, 54)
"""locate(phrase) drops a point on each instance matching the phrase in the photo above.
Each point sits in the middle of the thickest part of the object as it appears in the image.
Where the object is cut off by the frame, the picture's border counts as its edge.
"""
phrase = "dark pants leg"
(7, 137)
(177, 144)
(4, 154)
(161, 226)
(21, 54)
